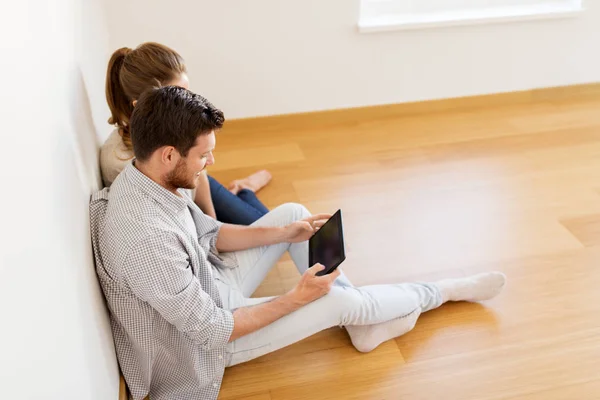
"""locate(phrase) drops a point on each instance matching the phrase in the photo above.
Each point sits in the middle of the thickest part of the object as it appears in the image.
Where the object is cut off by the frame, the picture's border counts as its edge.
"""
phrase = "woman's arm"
(203, 199)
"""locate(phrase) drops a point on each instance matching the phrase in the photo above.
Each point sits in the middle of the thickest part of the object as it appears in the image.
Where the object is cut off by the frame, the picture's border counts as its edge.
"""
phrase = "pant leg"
(230, 208)
(250, 197)
(344, 305)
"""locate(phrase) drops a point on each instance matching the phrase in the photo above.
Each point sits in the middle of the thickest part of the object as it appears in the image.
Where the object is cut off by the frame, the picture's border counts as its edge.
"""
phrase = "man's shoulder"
(133, 216)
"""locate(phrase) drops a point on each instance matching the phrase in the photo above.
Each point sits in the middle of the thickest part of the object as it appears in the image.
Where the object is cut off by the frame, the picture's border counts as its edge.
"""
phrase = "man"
(178, 283)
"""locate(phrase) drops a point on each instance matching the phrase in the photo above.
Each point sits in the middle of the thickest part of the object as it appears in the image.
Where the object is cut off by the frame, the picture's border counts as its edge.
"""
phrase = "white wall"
(266, 57)
(55, 340)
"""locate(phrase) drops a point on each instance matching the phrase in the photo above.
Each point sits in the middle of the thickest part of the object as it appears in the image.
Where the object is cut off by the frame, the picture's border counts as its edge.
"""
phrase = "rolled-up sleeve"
(208, 233)
(158, 271)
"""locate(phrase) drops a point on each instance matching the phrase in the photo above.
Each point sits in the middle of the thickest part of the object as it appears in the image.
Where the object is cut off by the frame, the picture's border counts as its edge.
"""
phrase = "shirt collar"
(173, 202)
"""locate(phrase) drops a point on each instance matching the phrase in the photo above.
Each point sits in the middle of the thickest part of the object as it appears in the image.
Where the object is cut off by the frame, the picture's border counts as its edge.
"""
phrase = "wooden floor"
(510, 188)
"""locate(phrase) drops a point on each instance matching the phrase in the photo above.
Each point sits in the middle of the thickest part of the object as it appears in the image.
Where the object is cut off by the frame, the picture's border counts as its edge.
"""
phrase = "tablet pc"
(326, 246)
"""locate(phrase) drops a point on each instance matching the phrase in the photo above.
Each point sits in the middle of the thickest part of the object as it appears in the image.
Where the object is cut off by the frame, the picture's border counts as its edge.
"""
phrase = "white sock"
(478, 287)
(366, 338)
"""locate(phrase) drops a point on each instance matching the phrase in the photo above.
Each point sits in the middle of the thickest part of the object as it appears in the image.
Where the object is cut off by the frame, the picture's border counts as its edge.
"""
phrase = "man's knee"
(346, 303)
(294, 211)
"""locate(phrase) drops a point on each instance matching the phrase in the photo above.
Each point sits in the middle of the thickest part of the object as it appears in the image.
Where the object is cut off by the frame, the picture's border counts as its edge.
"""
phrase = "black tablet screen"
(327, 245)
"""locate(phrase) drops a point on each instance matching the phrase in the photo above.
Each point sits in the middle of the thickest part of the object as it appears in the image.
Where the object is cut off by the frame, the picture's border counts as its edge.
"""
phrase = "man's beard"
(180, 177)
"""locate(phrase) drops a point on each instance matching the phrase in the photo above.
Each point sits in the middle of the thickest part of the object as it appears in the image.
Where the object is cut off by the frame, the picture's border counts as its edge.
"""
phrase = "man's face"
(186, 172)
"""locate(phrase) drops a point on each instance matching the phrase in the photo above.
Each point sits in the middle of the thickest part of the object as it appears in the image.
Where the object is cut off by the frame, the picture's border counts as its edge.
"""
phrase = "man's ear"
(169, 155)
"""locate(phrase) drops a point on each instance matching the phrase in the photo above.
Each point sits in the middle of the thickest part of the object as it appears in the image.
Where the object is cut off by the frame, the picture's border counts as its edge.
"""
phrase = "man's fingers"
(316, 225)
(332, 276)
(319, 223)
(316, 268)
(335, 274)
(320, 267)
(316, 217)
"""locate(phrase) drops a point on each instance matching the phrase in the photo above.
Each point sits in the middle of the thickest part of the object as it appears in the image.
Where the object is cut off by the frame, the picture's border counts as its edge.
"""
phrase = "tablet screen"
(327, 245)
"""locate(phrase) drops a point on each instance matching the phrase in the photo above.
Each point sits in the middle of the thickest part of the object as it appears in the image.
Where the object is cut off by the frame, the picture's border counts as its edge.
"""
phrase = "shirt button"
(220, 357)
(215, 384)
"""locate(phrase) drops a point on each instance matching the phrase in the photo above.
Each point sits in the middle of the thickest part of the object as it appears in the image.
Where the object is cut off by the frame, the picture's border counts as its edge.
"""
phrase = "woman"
(130, 73)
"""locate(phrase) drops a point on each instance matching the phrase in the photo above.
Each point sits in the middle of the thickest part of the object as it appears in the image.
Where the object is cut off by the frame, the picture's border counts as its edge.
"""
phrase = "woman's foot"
(366, 338)
(254, 182)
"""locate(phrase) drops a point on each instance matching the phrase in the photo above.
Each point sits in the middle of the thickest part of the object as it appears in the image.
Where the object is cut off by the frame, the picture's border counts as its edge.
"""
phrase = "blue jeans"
(241, 209)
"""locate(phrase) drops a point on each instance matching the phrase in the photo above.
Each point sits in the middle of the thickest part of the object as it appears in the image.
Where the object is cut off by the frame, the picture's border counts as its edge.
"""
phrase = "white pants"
(343, 305)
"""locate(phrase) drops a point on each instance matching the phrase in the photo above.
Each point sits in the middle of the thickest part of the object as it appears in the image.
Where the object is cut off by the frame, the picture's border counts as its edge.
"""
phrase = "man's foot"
(254, 182)
(366, 338)
(478, 287)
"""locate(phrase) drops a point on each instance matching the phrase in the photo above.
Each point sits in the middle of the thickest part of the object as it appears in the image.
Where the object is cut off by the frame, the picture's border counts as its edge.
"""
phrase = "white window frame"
(375, 18)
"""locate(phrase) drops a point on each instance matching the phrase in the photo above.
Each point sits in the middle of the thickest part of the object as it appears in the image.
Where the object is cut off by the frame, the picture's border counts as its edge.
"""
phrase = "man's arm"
(237, 237)
(310, 288)
(203, 198)
(157, 270)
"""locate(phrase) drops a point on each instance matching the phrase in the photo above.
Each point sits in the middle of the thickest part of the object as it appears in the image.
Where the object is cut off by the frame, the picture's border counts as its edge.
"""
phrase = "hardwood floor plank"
(586, 229)
(257, 156)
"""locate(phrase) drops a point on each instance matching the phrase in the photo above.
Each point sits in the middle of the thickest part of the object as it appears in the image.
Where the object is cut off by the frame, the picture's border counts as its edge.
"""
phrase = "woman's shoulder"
(114, 156)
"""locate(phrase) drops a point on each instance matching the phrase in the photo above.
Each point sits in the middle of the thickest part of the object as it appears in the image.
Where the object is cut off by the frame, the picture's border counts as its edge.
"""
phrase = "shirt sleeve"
(208, 233)
(158, 271)
(207, 227)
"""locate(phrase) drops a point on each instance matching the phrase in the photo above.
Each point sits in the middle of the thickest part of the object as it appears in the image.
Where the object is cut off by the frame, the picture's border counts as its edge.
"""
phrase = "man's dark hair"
(171, 116)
